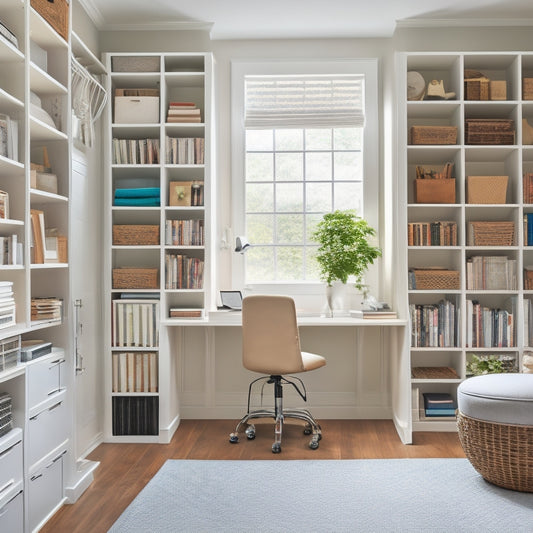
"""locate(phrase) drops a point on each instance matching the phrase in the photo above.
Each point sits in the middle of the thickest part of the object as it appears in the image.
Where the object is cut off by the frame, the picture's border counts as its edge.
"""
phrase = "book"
(440, 401)
(179, 312)
(37, 235)
(379, 314)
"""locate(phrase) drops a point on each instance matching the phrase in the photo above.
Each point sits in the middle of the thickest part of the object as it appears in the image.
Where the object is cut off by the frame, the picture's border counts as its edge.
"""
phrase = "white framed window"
(304, 142)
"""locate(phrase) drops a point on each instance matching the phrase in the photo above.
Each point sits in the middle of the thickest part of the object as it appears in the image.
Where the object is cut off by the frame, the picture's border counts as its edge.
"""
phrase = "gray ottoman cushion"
(502, 398)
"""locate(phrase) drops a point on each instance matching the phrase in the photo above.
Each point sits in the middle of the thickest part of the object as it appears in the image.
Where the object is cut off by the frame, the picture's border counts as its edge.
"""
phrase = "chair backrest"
(270, 340)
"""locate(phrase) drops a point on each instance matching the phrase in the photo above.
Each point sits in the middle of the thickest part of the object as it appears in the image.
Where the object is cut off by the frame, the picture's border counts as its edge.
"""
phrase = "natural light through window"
(293, 177)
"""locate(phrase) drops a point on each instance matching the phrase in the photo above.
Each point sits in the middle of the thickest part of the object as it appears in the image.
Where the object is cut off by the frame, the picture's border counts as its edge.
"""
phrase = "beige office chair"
(271, 345)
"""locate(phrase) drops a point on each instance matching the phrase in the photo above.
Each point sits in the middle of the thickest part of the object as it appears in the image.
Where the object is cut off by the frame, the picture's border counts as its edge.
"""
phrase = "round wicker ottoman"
(495, 422)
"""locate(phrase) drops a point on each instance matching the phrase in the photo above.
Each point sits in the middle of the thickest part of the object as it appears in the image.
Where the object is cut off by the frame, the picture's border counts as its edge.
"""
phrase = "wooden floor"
(126, 468)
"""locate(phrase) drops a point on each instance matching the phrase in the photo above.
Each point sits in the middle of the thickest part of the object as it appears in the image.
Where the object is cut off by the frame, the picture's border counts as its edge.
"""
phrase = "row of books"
(136, 151)
(528, 279)
(488, 327)
(528, 321)
(135, 415)
(527, 188)
(185, 150)
(4, 204)
(7, 305)
(184, 232)
(48, 245)
(135, 323)
(181, 112)
(48, 309)
(8, 137)
(440, 233)
(11, 251)
(433, 325)
(138, 197)
(491, 273)
(183, 272)
(135, 372)
(528, 229)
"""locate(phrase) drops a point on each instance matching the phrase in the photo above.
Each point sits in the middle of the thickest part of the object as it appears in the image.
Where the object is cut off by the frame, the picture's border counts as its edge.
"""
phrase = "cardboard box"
(498, 90)
(486, 189)
(136, 109)
(436, 191)
(44, 181)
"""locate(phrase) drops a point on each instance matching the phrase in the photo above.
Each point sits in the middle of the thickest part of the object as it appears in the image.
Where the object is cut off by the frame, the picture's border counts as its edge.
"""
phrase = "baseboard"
(84, 477)
(166, 434)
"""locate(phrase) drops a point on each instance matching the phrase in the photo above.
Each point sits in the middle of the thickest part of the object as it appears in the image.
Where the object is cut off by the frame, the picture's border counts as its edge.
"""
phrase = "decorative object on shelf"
(433, 135)
(344, 249)
(416, 86)
(527, 362)
(436, 91)
(489, 131)
(186, 193)
(434, 172)
(527, 132)
(486, 189)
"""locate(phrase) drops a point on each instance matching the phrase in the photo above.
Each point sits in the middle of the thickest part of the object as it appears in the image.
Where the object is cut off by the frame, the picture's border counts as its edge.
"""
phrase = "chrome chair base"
(279, 415)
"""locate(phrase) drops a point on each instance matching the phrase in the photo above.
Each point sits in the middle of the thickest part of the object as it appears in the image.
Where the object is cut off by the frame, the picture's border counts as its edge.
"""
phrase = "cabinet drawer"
(12, 512)
(45, 378)
(45, 490)
(10, 462)
(47, 428)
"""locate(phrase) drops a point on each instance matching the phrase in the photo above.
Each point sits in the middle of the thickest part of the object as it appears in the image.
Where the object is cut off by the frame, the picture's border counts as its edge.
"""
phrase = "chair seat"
(312, 361)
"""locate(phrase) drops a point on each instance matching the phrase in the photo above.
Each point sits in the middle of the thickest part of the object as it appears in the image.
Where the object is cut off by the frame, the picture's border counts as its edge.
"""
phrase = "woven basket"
(433, 135)
(486, 189)
(491, 233)
(55, 12)
(501, 453)
(135, 278)
(135, 234)
(437, 279)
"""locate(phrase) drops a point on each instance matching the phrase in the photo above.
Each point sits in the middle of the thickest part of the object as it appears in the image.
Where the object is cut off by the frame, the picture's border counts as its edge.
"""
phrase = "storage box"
(436, 279)
(136, 109)
(437, 191)
(477, 89)
(498, 90)
(490, 233)
(44, 181)
(489, 131)
(55, 12)
(135, 278)
(486, 189)
(433, 135)
(135, 64)
(135, 234)
(527, 89)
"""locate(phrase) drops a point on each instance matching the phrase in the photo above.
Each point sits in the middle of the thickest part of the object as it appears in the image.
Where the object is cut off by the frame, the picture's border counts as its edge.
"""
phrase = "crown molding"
(463, 23)
(154, 26)
(93, 12)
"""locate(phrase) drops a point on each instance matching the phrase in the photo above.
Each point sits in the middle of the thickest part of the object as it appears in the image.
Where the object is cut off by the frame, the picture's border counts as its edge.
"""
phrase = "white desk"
(208, 401)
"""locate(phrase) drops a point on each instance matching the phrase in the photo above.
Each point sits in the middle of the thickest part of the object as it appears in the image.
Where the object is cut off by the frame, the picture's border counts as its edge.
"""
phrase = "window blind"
(304, 101)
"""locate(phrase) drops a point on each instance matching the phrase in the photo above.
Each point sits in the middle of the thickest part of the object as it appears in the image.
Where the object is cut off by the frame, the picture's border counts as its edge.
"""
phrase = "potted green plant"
(344, 248)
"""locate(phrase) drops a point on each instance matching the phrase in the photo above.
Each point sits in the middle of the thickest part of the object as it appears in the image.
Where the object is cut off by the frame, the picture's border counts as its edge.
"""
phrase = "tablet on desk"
(231, 300)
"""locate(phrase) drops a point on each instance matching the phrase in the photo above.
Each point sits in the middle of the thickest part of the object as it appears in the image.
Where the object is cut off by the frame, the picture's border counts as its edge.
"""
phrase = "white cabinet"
(46, 378)
(12, 510)
(11, 482)
(490, 318)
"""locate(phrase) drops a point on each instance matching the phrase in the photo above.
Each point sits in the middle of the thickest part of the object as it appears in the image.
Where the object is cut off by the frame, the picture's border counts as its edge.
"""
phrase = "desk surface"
(234, 318)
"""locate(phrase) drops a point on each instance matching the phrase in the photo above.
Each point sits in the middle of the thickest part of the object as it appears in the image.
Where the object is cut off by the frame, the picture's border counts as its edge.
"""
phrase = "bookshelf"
(158, 184)
(482, 269)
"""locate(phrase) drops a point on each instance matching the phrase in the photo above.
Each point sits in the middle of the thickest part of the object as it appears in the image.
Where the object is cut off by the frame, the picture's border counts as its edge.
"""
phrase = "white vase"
(338, 299)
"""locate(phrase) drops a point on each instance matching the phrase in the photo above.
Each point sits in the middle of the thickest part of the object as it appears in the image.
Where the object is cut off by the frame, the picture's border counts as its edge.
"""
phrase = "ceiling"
(300, 19)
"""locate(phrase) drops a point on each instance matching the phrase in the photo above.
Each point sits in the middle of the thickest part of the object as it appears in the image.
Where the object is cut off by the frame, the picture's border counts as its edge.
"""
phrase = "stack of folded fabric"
(140, 197)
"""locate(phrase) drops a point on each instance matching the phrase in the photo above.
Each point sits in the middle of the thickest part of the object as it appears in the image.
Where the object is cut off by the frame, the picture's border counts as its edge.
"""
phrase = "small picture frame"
(179, 193)
(231, 300)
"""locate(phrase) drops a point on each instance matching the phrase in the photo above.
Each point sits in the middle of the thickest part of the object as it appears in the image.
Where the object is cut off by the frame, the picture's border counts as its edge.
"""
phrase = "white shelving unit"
(41, 391)
(511, 160)
(183, 77)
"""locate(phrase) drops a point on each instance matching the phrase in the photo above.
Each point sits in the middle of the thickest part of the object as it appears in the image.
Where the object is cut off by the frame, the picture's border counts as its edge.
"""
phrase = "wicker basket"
(433, 135)
(55, 12)
(135, 234)
(501, 453)
(135, 278)
(486, 189)
(436, 279)
(477, 89)
(490, 233)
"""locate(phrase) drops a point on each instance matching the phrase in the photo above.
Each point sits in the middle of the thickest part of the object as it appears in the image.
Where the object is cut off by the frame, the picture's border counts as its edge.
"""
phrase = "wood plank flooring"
(126, 468)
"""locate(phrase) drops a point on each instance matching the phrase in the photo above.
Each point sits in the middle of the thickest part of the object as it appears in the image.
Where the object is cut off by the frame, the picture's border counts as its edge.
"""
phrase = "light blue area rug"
(395, 495)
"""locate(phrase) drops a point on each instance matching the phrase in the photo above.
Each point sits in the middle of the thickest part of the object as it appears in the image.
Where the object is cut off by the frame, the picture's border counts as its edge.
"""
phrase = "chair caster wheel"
(308, 429)
(313, 444)
(233, 438)
(276, 448)
(250, 432)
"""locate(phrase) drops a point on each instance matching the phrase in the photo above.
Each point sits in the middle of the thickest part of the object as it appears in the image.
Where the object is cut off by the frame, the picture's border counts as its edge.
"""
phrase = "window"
(303, 146)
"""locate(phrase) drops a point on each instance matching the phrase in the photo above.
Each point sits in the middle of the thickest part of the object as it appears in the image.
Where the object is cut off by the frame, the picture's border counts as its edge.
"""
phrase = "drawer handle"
(7, 450)
(7, 485)
(55, 406)
(55, 363)
(33, 478)
(5, 509)
(55, 459)
(59, 389)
